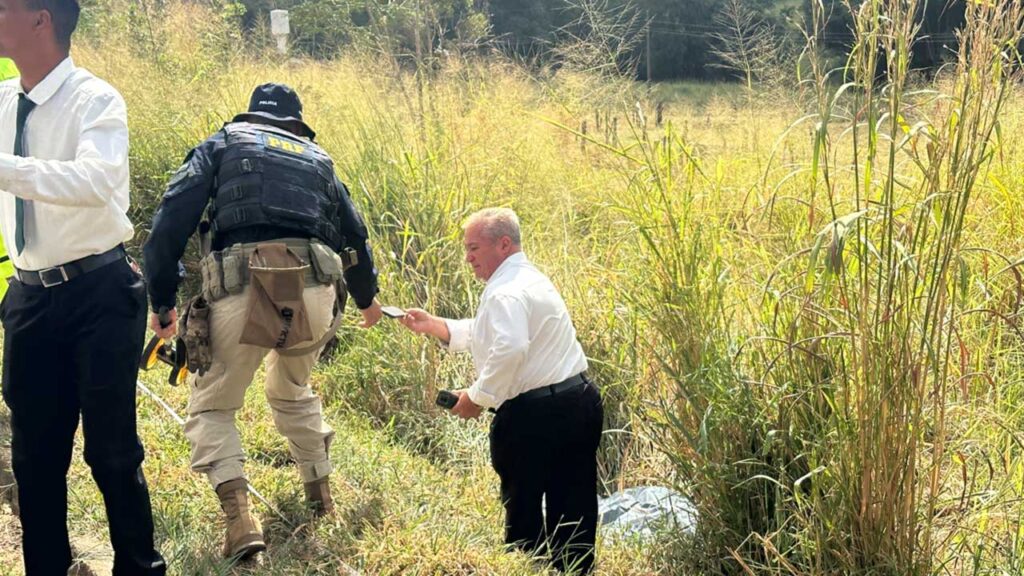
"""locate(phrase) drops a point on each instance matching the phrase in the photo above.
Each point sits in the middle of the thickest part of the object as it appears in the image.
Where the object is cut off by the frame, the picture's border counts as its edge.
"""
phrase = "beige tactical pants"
(218, 394)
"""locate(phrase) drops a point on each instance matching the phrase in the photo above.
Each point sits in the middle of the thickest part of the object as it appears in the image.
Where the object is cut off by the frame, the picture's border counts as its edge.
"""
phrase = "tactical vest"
(270, 177)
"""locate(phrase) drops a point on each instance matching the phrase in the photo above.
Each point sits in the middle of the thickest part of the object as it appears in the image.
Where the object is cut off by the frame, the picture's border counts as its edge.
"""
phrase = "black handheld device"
(446, 399)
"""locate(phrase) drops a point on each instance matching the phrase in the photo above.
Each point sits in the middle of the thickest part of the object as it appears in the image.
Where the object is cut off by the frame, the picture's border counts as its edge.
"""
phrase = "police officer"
(260, 180)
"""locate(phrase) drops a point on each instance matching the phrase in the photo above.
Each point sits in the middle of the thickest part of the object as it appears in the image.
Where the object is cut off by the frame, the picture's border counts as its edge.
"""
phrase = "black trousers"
(74, 350)
(545, 453)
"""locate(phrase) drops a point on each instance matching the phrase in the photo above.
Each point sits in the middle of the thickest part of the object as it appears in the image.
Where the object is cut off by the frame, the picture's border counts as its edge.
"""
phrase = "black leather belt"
(58, 275)
(566, 385)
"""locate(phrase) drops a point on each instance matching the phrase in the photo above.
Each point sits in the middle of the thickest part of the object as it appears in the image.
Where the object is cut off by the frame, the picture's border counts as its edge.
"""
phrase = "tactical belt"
(58, 275)
(238, 255)
(239, 262)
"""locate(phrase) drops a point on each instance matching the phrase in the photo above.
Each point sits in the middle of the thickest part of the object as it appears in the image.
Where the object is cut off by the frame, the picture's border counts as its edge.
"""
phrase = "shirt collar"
(510, 262)
(49, 85)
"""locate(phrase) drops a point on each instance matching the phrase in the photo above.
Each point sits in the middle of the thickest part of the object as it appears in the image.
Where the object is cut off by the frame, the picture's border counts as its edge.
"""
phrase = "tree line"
(650, 39)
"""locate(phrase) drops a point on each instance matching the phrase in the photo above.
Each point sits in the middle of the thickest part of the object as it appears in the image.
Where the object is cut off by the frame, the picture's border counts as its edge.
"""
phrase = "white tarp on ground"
(640, 510)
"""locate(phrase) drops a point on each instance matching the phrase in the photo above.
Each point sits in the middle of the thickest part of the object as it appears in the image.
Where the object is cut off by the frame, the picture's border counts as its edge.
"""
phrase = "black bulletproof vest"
(271, 178)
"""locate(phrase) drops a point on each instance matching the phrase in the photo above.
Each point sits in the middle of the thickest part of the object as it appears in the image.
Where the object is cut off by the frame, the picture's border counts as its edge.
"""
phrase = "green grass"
(839, 392)
(696, 93)
(399, 511)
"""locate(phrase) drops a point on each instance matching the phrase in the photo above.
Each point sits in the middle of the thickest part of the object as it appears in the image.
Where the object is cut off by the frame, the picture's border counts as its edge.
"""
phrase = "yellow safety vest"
(6, 269)
(7, 70)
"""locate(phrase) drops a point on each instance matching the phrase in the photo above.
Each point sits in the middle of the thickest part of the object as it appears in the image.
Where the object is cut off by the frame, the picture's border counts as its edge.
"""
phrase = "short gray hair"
(496, 222)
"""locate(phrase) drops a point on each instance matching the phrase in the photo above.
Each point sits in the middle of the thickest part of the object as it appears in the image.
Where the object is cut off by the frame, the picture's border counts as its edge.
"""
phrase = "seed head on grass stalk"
(896, 295)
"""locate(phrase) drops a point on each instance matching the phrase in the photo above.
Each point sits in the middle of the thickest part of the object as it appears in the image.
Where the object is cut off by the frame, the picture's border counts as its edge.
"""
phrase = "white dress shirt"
(75, 169)
(521, 338)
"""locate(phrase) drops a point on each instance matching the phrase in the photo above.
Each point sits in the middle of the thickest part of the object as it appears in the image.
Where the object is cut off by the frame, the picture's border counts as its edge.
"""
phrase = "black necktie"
(24, 107)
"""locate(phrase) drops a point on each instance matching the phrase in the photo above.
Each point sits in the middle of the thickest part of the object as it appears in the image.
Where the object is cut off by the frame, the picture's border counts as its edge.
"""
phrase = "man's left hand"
(371, 315)
(465, 408)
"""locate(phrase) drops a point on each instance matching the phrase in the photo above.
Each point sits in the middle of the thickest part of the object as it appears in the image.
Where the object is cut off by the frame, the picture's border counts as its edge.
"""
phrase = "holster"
(194, 328)
(276, 316)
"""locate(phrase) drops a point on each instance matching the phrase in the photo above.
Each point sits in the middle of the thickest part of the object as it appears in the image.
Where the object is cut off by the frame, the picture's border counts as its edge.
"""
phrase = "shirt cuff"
(155, 305)
(481, 398)
(459, 332)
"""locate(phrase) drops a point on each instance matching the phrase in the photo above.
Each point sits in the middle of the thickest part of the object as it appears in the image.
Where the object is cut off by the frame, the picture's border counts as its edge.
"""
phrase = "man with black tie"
(75, 314)
(531, 373)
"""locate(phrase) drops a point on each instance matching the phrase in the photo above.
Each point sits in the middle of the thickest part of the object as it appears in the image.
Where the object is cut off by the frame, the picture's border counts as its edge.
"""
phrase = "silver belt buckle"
(57, 281)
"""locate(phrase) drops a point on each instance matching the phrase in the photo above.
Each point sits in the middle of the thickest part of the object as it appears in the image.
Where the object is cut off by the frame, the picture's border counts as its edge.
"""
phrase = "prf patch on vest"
(284, 145)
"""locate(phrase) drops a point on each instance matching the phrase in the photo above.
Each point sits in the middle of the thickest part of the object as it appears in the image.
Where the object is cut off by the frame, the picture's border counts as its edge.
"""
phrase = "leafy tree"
(682, 32)
(529, 27)
(322, 27)
(675, 38)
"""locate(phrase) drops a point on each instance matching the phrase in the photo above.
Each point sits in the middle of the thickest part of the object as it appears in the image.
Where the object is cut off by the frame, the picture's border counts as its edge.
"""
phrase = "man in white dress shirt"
(530, 372)
(75, 314)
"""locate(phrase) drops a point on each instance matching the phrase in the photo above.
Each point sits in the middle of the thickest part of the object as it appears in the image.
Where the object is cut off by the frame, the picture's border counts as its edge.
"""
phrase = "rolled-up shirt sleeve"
(98, 170)
(459, 334)
(506, 350)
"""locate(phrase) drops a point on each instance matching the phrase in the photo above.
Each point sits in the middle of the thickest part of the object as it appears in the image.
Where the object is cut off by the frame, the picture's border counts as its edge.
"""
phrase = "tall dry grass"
(804, 315)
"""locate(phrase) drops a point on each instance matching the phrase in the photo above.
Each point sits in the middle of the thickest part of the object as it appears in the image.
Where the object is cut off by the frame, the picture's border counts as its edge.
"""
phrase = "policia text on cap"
(283, 244)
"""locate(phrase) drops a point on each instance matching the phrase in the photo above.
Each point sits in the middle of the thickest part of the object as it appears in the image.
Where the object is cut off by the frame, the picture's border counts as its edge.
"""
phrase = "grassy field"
(803, 309)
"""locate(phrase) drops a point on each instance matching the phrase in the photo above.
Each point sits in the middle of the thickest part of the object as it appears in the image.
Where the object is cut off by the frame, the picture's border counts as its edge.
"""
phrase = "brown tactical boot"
(244, 536)
(318, 494)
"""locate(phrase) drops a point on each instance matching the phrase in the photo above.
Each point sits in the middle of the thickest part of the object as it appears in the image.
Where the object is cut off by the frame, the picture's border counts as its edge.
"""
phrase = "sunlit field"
(803, 307)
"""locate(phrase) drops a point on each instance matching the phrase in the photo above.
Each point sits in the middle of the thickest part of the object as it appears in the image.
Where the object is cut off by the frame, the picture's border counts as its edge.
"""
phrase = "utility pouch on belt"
(213, 278)
(231, 265)
(326, 263)
(276, 315)
(194, 328)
